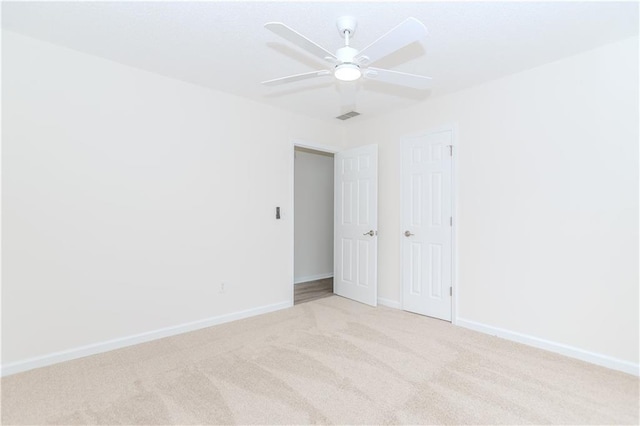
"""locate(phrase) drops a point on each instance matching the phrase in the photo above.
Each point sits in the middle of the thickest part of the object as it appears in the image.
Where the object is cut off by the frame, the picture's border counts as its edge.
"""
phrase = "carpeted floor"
(327, 361)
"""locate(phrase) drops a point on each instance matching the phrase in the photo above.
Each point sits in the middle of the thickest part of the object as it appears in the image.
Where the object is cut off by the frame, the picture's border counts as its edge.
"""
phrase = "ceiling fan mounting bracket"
(346, 23)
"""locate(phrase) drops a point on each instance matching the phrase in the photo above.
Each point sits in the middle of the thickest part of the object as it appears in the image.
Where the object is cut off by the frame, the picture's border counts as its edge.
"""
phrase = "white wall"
(129, 197)
(313, 231)
(548, 199)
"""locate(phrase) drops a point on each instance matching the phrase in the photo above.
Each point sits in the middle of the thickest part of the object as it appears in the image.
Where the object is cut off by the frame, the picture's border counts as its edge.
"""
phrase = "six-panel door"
(427, 224)
(356, 224)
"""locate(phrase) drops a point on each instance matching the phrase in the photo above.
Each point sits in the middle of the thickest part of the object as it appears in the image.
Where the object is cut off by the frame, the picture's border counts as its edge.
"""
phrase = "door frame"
(453, 128)
(299, 143)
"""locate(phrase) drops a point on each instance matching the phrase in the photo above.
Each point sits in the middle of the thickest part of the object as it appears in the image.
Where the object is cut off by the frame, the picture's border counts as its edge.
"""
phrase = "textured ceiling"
(223, 45)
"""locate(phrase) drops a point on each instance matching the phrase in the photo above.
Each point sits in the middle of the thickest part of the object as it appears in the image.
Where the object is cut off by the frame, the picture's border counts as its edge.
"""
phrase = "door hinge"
(450, 220)
(450, 150)
(450, 291)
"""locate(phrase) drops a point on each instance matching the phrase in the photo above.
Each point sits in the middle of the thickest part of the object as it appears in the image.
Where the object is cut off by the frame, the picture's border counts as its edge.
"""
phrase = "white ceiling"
(223, 45)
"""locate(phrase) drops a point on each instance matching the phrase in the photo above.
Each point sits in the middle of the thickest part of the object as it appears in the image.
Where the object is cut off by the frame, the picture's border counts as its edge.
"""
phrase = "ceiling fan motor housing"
(346, 54)
(347, 69)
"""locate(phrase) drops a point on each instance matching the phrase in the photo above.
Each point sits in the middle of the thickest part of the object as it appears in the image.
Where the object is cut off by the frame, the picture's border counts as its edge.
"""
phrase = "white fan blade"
(400, 78)
(402, 35)
(296, 77)
(298, 39)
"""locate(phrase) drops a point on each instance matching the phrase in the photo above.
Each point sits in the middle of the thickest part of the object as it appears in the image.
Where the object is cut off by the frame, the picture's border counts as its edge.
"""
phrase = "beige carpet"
(327, 361)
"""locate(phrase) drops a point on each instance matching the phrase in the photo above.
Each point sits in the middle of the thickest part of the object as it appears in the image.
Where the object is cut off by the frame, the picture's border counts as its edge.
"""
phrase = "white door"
(356, 224)
(427, 224)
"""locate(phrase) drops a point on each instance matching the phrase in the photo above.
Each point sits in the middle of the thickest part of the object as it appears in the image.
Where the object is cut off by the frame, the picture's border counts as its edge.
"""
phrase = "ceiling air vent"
(348, 115)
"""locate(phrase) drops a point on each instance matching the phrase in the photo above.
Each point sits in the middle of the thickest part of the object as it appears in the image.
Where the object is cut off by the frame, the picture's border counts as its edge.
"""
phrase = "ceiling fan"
(349, 64)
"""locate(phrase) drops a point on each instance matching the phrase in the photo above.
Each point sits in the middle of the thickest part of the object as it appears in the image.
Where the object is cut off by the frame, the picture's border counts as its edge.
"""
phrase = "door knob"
(370, 233)
(407, 234)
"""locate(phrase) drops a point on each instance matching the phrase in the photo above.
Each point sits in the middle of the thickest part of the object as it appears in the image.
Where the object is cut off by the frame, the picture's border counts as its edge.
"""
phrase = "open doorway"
(313, 224)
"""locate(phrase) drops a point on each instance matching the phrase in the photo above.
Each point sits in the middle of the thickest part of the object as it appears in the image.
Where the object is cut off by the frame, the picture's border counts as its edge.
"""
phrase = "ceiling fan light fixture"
(347, 72)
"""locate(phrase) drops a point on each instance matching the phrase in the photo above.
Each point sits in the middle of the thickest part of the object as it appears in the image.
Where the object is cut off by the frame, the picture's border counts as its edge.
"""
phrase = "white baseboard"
(389, 303)
(96, 348)
(560, 348)
(306, 279)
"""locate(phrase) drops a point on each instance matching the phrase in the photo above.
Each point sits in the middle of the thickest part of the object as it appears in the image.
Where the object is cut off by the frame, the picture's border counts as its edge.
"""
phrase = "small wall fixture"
(347, 72)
